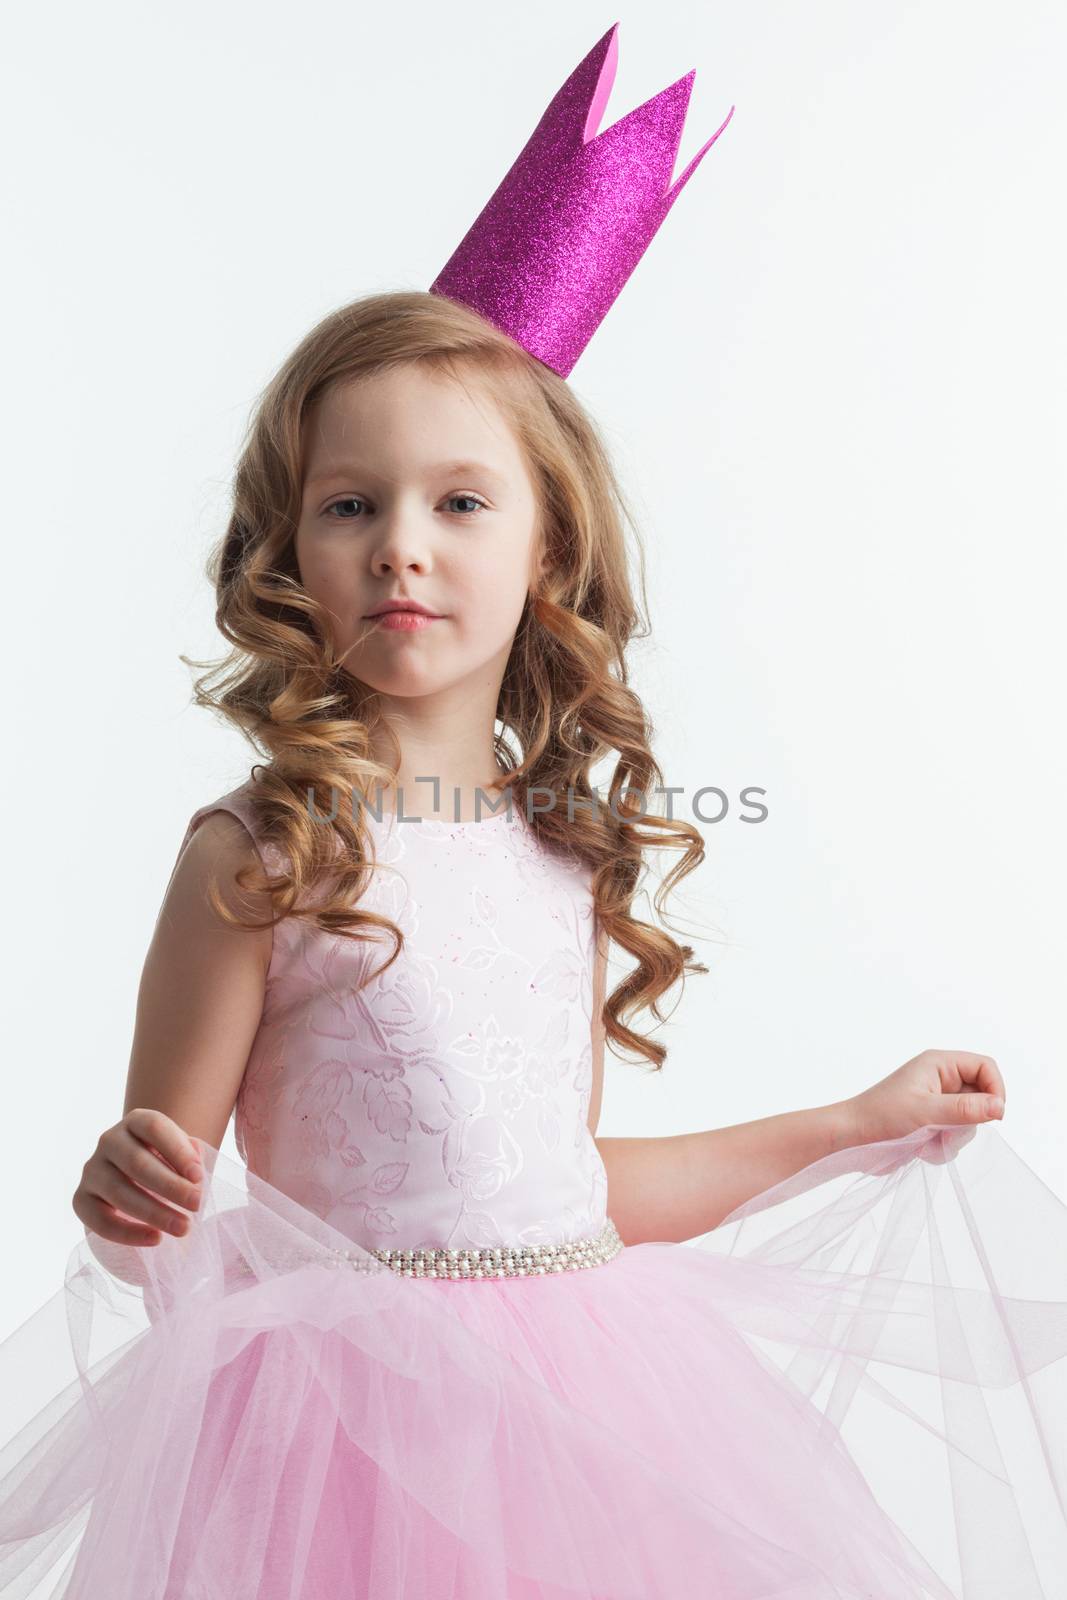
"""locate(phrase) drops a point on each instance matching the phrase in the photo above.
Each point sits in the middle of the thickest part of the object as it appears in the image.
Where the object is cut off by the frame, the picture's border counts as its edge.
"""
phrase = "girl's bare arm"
(198, 1008)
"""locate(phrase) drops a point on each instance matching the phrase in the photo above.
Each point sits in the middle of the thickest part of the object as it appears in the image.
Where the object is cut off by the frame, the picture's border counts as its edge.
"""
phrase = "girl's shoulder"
(236, 802)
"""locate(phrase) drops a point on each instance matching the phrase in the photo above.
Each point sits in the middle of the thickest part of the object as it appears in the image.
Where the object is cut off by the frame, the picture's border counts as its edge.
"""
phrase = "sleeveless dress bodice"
(443, 1103)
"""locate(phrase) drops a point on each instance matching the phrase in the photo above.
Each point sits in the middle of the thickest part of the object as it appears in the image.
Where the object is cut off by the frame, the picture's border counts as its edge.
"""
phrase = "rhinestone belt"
(496, 1261)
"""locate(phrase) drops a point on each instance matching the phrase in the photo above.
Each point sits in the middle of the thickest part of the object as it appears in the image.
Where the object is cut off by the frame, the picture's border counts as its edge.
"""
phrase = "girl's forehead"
(432, 428)
(469, 403)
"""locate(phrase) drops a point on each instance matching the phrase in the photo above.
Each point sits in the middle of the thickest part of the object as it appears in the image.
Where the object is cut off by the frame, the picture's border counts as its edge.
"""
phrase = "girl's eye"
(355, 500)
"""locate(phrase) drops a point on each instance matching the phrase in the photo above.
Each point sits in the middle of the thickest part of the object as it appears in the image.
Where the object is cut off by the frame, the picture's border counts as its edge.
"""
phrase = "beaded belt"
(498, 1261)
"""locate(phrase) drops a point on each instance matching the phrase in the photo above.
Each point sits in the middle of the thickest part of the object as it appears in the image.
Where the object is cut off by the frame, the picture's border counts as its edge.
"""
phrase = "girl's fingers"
(989, 1078)
(155, 1153)
(960, 1070)
(981, 1071)
(106, 1221)
(145, 1160)
(155, 1128)
(114, 1188)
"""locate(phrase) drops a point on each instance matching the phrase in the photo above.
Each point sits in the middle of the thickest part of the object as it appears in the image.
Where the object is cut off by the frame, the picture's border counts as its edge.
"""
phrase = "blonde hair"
(564, 700)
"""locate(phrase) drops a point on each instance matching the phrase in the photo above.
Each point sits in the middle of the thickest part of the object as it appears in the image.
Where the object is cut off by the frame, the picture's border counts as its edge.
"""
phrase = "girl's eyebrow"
(443, 469)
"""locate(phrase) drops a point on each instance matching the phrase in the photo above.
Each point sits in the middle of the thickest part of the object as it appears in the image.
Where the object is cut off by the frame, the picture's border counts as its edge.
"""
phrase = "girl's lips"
(405, 621)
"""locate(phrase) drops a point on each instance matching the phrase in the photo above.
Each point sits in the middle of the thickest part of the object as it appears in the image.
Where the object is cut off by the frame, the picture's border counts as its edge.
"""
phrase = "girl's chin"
(414, 682)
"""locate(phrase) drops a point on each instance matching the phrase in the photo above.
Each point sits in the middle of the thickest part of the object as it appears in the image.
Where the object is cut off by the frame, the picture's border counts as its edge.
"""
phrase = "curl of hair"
(565, 702)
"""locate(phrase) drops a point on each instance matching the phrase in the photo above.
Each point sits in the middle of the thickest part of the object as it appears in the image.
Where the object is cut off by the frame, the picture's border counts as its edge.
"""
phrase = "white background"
(834, 392)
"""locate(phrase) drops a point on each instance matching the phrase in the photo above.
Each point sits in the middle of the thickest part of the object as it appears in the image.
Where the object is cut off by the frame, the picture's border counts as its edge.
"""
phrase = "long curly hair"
(564, 704)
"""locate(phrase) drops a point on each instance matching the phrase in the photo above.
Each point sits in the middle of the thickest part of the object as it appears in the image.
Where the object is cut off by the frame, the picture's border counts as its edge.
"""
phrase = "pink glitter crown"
(547, 256)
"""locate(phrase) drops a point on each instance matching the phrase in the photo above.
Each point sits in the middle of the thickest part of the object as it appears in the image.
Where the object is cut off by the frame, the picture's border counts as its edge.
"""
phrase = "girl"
(436, 1339)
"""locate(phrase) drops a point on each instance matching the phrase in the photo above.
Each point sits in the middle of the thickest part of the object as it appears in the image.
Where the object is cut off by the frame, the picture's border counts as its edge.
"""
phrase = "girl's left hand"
(943, 1087)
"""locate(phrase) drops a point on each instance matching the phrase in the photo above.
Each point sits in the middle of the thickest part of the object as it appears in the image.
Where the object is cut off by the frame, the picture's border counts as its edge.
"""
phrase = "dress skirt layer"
(854, 1388)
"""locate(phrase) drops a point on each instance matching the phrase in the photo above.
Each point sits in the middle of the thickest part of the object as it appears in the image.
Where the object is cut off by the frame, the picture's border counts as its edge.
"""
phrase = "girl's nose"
(402, 545)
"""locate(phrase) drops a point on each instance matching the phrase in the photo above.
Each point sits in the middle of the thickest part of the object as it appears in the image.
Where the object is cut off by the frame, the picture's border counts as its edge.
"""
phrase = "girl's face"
(416, 488)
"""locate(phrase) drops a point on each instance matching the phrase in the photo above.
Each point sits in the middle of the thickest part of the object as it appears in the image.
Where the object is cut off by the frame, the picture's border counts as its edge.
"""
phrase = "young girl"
(436, 1339)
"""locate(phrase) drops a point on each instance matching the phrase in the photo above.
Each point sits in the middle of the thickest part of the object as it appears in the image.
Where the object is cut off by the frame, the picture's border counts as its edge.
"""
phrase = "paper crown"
(547, 256)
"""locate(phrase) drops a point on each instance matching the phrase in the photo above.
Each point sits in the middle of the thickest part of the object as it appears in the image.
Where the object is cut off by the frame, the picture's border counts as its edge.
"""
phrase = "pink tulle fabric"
(855, 1386)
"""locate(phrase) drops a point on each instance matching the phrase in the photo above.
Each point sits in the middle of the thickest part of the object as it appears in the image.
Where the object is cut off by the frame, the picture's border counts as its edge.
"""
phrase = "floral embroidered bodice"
(444, 1104)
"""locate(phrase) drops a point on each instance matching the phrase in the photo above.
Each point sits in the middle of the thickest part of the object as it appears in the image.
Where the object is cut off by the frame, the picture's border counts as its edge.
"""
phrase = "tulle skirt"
(855, 1386)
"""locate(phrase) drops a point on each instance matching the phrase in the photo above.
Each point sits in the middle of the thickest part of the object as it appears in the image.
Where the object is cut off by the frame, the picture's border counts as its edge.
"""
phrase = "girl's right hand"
(129, 1171)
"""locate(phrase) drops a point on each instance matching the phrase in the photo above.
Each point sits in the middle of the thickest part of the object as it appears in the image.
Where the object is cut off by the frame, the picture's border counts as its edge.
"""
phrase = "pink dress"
(403, 1354)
